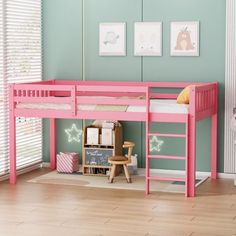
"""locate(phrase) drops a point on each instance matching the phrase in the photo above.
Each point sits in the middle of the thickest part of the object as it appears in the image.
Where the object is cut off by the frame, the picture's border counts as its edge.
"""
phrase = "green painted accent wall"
(111, 68)
(63, 59)
(62, 39)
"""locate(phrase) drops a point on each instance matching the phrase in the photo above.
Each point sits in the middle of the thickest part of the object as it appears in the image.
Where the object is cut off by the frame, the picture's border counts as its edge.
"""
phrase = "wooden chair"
(121, 160)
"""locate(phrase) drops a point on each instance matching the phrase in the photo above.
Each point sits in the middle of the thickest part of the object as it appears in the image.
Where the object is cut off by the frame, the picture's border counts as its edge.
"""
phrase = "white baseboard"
(226, 176)
(23, 171)
(141, 171)
(46, 164)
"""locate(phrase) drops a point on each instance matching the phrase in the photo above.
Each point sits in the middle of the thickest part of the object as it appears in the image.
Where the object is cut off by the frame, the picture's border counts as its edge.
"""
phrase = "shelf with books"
(96, 153)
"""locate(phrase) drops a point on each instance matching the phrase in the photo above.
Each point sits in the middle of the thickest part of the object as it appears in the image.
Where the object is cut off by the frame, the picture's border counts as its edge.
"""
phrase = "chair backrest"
(130, 146)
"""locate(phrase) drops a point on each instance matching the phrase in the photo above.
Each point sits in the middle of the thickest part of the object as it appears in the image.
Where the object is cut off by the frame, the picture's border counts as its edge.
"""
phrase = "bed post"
(191, 169)
(214, 146)
(53, 143)
(214, 134)
(12, 135)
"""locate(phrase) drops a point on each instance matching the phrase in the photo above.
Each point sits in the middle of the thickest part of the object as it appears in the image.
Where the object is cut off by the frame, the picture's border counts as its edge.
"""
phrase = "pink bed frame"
(203, 104)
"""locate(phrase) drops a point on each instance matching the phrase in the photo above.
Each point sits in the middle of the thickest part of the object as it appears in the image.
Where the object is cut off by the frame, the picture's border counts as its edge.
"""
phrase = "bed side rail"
(172, 89)
(204, 100)
(111, 94)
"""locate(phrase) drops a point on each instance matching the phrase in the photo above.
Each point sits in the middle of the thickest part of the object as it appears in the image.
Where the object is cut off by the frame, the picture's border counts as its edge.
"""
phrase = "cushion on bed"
(184, 96)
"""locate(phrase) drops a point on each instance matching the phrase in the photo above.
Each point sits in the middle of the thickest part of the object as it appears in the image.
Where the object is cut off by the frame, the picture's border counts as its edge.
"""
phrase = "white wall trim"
(23, 171)
(46, 164)
(230, 86)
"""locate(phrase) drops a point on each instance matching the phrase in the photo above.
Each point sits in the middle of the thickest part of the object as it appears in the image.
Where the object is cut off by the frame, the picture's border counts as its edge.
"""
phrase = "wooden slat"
(167, 157)
(166, 178)
(168, 135)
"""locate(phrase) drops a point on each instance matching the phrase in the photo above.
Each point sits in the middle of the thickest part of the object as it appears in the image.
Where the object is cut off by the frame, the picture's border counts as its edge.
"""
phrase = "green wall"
(63, 59)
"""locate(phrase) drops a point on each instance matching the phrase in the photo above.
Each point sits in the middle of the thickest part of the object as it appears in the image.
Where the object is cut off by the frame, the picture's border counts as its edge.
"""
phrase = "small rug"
(138, 182)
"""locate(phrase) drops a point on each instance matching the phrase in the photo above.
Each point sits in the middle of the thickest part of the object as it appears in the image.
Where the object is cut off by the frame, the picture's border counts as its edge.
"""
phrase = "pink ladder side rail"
(187, 156)
(147, 141)
(191, 165)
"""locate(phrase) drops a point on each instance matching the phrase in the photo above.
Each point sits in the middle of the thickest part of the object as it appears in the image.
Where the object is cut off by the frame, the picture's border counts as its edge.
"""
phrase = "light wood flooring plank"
(29, 209)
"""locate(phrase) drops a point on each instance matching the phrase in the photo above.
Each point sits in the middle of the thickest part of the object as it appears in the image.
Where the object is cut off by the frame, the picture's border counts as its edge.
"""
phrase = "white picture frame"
(148, 38)
(112, 39)
(184, 38)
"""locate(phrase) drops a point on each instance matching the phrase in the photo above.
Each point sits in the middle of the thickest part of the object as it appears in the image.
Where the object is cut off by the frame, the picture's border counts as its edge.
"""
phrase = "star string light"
(155, 144)
(74, 134)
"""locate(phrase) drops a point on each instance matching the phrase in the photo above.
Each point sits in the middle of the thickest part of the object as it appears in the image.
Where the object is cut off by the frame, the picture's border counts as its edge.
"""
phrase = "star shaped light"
(155, 144)
(74, 134)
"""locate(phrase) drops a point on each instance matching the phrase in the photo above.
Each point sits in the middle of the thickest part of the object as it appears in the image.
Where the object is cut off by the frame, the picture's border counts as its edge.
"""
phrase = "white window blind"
(20, 61)
(3, 121)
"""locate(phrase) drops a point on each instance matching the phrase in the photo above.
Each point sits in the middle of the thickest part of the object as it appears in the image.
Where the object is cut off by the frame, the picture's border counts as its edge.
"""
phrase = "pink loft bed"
(75, 99)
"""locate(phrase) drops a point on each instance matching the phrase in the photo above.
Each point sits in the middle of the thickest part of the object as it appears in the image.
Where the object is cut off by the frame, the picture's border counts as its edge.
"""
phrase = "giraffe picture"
(185, 38)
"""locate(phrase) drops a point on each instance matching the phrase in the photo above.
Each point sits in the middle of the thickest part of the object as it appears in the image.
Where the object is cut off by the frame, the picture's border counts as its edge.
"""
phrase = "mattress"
(156, 105)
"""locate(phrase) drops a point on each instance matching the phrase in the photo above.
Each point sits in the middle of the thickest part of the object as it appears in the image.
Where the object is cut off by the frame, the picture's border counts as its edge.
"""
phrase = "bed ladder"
(149, 156)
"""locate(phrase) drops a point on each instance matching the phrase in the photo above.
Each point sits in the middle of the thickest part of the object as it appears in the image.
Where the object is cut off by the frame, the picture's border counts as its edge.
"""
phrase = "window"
(20, 61)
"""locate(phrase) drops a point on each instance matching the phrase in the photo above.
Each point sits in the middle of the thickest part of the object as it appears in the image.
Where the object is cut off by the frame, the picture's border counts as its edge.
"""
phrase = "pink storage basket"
(67, 162)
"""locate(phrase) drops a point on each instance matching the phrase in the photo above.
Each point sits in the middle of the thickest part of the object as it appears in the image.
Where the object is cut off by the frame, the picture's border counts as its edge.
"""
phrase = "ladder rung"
(168, 135)
(167, 157)
(166, 178)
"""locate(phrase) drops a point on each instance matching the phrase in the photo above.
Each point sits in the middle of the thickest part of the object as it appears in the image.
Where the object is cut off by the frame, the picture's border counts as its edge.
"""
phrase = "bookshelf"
(95, 156)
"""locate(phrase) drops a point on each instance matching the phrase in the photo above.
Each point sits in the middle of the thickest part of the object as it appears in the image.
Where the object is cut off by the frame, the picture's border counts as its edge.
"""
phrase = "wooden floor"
(29, 209)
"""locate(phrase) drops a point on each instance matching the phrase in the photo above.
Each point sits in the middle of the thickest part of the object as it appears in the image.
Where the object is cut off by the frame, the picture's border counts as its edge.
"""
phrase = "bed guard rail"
(41, 93)
(204, 100)
(111, 95)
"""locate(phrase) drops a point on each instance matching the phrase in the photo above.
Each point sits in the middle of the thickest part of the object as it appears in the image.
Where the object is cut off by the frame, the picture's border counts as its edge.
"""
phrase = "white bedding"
(157, 106)
(162, 106)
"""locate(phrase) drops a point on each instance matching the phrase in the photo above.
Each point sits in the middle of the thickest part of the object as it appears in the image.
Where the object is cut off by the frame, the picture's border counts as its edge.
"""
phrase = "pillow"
(184, 96)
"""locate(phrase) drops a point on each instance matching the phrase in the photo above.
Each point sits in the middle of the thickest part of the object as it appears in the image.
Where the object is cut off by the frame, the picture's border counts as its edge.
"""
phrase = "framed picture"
(148, 38)
(106, 136)
(184, 38)
(92, 136)
(112, 39)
